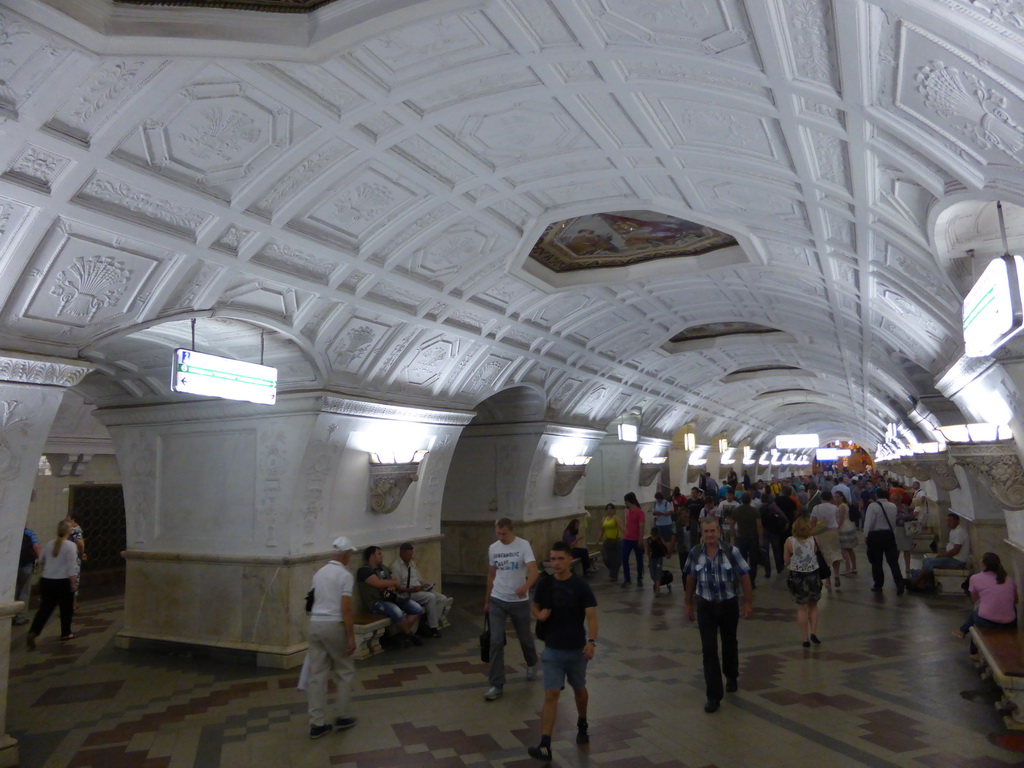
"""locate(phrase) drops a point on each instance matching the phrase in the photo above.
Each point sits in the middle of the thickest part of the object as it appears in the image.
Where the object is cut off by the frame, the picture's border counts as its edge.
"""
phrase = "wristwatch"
(592, 641)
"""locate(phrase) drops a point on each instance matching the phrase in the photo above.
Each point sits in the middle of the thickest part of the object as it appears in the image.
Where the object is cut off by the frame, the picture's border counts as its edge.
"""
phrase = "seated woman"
(577, 543)
(995, 598)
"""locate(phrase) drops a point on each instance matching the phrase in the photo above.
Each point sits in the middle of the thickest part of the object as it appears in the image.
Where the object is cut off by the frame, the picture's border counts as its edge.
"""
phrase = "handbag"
(485, 641)
(823, 568)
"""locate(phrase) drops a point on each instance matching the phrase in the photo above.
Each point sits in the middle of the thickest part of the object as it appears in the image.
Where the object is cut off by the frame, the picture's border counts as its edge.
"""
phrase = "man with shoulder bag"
(879, 528)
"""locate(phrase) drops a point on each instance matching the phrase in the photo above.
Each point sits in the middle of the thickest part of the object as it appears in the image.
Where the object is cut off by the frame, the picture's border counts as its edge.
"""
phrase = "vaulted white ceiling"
(368, 192)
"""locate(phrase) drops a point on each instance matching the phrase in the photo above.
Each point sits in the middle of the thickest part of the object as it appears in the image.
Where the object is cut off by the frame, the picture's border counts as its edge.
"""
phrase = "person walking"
(610, 540)
(879, 529)
(635, 519)
(332, 641)
(566, 613)
(714, 576)
(804, 581)
(58, 584)
(511, 573)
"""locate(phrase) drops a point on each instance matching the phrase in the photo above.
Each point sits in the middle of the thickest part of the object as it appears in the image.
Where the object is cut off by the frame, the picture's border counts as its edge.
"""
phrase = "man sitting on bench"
(956, 555)
(378, 592)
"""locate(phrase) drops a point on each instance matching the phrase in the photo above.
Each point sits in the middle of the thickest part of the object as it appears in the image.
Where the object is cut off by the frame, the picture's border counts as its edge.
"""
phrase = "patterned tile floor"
(889, 686)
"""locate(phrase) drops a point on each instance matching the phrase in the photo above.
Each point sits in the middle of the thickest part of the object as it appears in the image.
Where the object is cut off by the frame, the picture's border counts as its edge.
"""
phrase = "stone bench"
(1002, 654)
(949, 581)
(369, 629)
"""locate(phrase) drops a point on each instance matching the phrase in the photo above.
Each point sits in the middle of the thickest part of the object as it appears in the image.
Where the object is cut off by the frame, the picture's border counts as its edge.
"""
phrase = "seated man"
(378, 591)
(956, 555)
(411, 586)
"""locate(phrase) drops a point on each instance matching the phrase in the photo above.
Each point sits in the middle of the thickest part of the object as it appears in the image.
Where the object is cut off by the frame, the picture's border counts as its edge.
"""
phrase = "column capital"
(937, 467)
(998, 465)
(18, 368)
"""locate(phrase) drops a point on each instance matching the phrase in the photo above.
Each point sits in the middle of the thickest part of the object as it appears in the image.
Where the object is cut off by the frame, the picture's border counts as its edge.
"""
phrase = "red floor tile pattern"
(116, 756)
(842, 702)
(73, 694)
(892, 731)
(396, 677)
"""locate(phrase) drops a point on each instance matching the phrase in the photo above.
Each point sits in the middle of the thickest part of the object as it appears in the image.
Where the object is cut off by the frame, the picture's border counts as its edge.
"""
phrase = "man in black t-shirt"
(561, 604)
(378, 593)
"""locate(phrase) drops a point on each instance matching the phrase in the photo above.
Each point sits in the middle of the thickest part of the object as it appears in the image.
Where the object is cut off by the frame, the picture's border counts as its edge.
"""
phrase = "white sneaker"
(492, 693)
(531, 673)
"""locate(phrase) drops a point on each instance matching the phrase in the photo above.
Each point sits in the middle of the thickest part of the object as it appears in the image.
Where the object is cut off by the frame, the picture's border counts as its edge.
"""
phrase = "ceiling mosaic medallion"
(622, 239)
(279, 6)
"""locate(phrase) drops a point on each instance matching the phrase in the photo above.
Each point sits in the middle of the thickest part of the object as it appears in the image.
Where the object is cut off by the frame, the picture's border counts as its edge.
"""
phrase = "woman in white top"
(57, 584)
(804, 580)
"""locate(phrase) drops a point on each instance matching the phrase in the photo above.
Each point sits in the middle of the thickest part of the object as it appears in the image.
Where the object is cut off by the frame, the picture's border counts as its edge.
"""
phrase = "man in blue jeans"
(712, 576)
(378, 590)
(956, 555)
(562, 604)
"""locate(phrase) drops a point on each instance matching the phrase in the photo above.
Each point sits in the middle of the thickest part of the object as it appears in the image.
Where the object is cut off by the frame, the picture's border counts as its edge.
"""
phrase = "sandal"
(72, 636)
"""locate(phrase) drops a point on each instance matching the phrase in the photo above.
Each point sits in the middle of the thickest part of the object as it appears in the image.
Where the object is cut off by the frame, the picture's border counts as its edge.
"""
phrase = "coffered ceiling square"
(214, 134)
(977, 108)
(697, 126)
(352, 348)
(30, 57)
(82, 277)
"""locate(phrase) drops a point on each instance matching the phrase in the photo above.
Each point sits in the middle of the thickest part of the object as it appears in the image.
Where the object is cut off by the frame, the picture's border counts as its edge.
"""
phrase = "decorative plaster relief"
(201, 278)
(998, 466)
(578, 72)
(28, 58)
(317, 84)
(292, 261)
(812, 40)
(526, 130)
(88, 285)
(126, 201)
(352, 347)
(511, 212)
(970, 103)
(430, 361)
(428, 158)
(13, 433)
(938, 469)
(49, 372)
(140, 463)
(542, 21)
(36, 167)
(232, 239)
(363, 202)
(263, 297)
(303, 176)
(272, 457)
(396, 296)
(462, 244)
(831, 162)
(103, 92)
(729, 130)
(1004, 16)
(451, 92)
(214, 134)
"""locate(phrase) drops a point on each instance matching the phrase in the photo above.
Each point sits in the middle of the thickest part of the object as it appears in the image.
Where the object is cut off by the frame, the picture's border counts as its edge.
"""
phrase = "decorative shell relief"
(978, 112)
(90, 284)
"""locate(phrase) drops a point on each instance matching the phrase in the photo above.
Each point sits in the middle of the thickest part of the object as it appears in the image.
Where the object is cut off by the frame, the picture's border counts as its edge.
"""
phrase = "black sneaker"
(415, 640)
(316, 731)
(344, 723)
(731, 685)
(582, 736)
(711, 706)
(541, 753)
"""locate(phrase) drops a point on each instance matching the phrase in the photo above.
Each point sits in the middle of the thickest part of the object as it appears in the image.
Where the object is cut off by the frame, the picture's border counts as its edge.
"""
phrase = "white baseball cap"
(343, 544)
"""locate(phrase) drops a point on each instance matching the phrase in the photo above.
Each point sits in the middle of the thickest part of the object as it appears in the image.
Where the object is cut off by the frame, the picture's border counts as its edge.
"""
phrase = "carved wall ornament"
(977, 112)
(388, 484)
(13, 430)
(567, 476)
(648, 473)
(50, 372)
(90, 284)
(997, 465)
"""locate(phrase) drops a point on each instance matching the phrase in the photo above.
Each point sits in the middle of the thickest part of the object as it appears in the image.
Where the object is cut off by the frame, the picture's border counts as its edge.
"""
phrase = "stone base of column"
(8, 752)
(243, 609)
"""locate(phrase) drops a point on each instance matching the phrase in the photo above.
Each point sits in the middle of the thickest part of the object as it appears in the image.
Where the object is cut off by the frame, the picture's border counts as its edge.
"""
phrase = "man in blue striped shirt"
(713, 573)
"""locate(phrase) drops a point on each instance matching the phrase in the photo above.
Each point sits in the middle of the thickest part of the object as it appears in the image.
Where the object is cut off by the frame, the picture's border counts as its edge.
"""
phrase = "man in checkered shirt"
(713, 573)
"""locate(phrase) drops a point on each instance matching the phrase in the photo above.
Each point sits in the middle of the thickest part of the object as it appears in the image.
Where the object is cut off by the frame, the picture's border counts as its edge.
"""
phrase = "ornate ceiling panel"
(368, 190)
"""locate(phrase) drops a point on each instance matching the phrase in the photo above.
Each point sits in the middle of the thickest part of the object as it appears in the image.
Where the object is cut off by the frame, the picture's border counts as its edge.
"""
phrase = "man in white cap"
(332, 641)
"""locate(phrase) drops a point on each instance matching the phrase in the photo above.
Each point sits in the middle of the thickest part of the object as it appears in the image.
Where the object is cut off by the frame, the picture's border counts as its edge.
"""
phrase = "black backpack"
(28, 552)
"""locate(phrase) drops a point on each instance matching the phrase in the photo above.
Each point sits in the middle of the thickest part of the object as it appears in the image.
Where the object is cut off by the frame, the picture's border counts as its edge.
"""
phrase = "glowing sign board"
(196, 373)
(994, 310)
(795, 442)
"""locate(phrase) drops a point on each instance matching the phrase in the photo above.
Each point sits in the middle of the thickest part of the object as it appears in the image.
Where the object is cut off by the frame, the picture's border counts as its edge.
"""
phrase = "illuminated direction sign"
(795, 442)
(994, 310)
(196, 373)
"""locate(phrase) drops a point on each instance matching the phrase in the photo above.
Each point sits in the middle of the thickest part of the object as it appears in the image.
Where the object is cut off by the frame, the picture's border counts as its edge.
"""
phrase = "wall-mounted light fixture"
(699, 456)
(569, 471)
(391, 474)
(628, 433)
(723, 445)
(650, 469)
(975, 433)
(689, 441)
(748, 456)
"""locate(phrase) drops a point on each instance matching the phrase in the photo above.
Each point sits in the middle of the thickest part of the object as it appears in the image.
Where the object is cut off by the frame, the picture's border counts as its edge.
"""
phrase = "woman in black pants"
(57, 585)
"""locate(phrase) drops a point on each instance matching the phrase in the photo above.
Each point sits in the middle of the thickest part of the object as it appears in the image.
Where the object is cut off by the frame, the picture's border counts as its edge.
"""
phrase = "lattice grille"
(99, 509)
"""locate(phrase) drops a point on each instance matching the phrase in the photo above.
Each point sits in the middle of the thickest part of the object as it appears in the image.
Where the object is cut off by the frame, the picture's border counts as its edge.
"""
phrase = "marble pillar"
(31, 389)
(232, 506)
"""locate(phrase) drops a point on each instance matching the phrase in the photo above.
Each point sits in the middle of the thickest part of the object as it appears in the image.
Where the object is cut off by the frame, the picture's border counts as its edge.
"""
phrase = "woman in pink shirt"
(995, 598)
(635, 519)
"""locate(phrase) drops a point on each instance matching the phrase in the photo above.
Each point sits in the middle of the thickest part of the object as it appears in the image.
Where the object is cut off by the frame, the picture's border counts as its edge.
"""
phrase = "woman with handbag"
(57, 584)
(804, 579)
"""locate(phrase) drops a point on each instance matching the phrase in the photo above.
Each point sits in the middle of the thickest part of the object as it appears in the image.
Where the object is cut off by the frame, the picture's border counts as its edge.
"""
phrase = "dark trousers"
(581, 554)
(54, 593)
(629, 545)
(714, 619)
(776, 542)
(611, 553)
(750, 549)
(883, 544)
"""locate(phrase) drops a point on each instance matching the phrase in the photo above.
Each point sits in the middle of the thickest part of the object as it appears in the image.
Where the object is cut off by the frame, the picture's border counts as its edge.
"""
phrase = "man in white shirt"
(511, 573)
(879, 529)
(332, 641)
(956, 555)
(411, 586)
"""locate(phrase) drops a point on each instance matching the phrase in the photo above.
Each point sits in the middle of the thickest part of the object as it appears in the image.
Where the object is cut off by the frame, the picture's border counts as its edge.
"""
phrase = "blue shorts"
(396, 611)
(560, 666)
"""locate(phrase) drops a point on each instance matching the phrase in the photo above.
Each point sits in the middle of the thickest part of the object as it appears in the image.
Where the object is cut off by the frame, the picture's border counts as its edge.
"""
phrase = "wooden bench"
(1002, 653)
